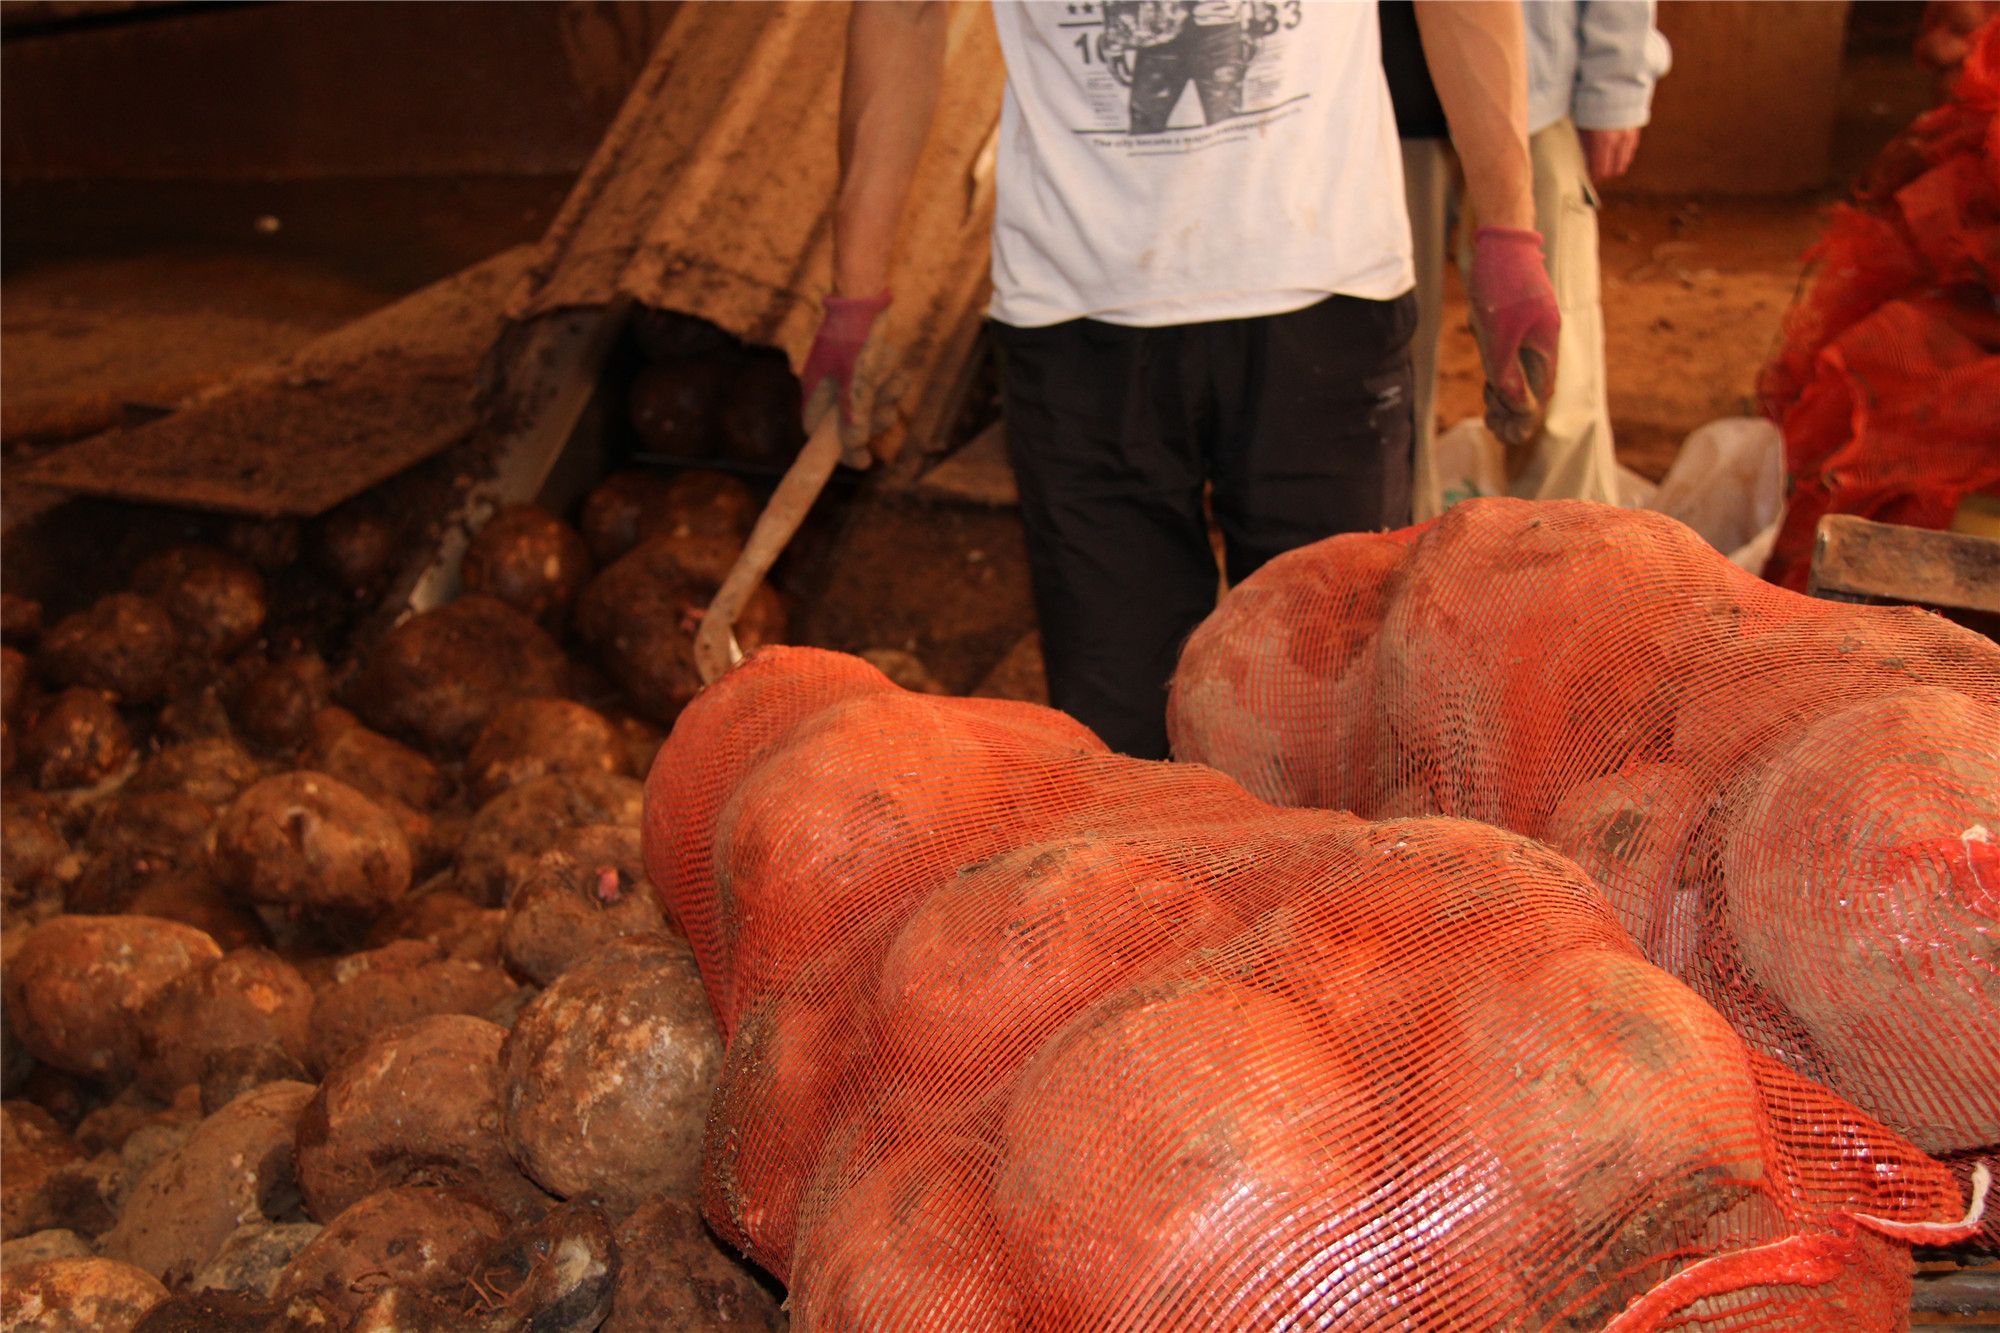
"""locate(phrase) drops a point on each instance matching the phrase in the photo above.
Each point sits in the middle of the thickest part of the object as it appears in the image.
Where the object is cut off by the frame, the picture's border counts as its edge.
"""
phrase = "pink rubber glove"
(1514, 317)
(843, 332)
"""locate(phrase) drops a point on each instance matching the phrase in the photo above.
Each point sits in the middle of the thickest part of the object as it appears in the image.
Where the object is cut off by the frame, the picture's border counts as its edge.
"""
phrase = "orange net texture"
(1028, 1036)
(1792, 804)
(1887, 386)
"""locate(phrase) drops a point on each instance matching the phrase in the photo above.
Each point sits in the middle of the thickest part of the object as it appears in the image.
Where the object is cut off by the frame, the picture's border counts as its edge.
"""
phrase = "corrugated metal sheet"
(713, 194)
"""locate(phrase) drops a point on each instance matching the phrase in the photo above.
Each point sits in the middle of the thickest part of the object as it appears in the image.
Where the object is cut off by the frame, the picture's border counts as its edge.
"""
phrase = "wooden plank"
(295, 437)
(1855, 559)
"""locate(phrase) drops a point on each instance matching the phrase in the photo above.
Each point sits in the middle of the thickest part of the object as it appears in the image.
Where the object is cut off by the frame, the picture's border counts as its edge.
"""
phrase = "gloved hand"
(1514, 317)
(843, 332)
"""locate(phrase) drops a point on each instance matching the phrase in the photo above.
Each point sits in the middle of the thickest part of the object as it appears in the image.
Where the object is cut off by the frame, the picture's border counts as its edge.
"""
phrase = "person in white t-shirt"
(1201, 271)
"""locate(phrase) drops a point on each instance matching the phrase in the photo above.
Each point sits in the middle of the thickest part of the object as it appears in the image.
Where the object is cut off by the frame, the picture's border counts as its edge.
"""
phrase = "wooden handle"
(715, 649)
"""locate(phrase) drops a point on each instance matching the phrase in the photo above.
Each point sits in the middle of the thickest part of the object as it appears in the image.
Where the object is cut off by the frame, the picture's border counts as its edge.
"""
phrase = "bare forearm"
(1478, 60)
(895, 61)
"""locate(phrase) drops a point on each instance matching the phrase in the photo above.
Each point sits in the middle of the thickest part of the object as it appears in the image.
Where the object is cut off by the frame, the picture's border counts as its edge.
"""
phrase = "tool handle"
(715, 649)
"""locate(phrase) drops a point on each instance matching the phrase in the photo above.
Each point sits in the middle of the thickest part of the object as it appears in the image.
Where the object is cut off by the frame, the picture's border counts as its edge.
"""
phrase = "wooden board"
(295, 437)
(1855, 559)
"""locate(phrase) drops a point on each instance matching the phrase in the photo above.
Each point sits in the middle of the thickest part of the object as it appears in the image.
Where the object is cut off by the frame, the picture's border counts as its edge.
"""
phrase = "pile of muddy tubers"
(336, 993)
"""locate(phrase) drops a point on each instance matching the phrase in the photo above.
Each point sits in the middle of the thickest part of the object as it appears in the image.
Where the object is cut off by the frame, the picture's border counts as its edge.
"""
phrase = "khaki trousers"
(1573, 457)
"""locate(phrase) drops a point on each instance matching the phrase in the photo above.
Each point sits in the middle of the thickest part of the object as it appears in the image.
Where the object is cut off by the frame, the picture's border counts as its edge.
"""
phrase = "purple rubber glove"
(1514, 317)
(843, 332)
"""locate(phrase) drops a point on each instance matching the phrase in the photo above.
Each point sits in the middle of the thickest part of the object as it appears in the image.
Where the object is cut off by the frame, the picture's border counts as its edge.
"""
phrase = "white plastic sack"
(1728, 483)
(1469, 460)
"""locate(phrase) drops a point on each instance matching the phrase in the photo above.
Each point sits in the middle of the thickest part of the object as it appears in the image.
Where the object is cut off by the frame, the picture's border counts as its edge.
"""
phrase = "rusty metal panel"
(298, 436)
(713, 194)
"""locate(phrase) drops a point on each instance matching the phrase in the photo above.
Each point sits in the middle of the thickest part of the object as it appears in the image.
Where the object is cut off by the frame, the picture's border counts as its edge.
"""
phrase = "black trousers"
(1301, 423)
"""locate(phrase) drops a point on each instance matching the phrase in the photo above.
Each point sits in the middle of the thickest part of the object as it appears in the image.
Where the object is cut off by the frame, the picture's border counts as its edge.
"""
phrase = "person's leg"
(1573, 458)
(1158, 75)
(1426, 186)
(1217, 60)
(1314, 425)
(1103, 438)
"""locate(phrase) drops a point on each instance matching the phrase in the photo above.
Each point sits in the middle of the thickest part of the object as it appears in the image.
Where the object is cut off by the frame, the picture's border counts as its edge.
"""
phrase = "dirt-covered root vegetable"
(189, 896)
(254, 1257)
(124, 645)
(606, 1076)
(414, 1104)
(32, 849)
(401, 983)
(168, 825)
(1862, 865)
(554, 1276)
(591, 889)
(38, 1246)
(630, 507)
(1629, 831)
(76, 1296)
(134, 838)
(228, 1073)
(236, 1167)
(531, 560)
(373, 764)
(355, 547)
(73, 740)
(911, 1233)
(32, 1146)
(641, 616)
(674, 405)
(674, 1278)
(212, 770)
(242, 1312)
(215, 599)
(79, 983)
(308, 841)
(613, 514)
(642, 741)
(20, 620)
(277, 706)
(13, 684)
(445, 918)
(535, 738)
(760, 413)
(561, 1270)
(438, 677)
(265, 544)
(420, 1237)
(249, 998)
(527, 820)
(1157, 1122)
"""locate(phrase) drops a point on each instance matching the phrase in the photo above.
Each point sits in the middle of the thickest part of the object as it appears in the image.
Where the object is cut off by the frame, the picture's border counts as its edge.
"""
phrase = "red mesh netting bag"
(1887, 386)
(1028, 1036)
(1792, 804)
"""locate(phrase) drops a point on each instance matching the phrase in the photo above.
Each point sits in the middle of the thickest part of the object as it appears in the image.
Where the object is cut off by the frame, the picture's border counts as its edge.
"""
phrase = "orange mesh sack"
(1028, 1036)
(1791, 804)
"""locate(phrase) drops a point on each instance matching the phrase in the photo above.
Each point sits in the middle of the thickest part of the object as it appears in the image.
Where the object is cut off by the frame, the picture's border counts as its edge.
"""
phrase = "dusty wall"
(1749, 107)
(312, 90)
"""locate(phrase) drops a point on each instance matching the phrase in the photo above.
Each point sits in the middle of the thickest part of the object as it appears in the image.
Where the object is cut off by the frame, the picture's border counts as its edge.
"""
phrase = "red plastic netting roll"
(1028, 1036)
(1792, 804)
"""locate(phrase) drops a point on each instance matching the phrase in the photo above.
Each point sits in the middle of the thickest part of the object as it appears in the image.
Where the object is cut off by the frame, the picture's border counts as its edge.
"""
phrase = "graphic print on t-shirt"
(1141, 60)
